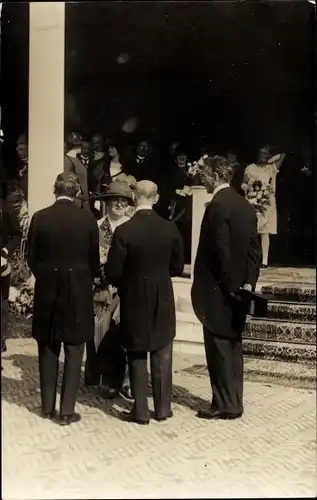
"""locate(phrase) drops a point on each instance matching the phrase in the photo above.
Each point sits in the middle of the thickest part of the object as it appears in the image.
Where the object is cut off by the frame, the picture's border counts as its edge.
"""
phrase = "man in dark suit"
(79, 165)
(144, 165)
(145, 252)
(228, 258)
(63, 243)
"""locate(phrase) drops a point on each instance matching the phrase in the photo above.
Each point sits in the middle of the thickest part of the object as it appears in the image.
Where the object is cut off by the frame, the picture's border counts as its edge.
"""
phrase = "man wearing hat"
(228, 259)
(10, 237)
(78, 164)
(63, 255)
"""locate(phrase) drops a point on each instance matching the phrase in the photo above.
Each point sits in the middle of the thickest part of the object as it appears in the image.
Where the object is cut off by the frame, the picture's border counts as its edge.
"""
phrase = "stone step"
(258, 349)
(290, 311)
(281, 310)
(299, 375)
(290, 352)
(262, 342)
(280, 331)
(290, 292)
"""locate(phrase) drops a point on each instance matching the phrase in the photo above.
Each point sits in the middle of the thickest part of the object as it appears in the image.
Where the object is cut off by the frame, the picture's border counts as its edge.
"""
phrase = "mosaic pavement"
(270, 452)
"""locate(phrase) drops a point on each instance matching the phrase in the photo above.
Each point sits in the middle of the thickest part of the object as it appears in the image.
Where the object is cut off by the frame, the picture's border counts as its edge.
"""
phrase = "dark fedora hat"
(119, 189)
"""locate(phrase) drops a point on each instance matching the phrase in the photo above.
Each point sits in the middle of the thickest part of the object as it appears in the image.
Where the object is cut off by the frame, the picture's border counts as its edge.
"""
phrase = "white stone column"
(200, 198)
(46, 101)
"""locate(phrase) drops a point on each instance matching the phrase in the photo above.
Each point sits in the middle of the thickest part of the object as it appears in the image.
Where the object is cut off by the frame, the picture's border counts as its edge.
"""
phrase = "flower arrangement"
(195, 170)
(259, 195)
(194, 175)
(21, 300)
(22, 291)
(20, 270)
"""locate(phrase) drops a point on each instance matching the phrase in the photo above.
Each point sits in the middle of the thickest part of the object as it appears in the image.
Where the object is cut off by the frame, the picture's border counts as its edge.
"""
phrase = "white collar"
(143, 207)
(219, 188)
(117, 223)
(73, 152)
(64, 198)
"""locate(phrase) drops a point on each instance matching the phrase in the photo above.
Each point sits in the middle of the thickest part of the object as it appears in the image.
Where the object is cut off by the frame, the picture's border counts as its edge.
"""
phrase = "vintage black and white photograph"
(158, 249)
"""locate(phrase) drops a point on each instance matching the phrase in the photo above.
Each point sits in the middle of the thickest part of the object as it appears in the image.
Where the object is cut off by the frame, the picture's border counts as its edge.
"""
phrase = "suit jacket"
(228, 256)
(63, 255)
(145, 253)
(74, 165)
(98, 174)
(145, 170)
(169, 179)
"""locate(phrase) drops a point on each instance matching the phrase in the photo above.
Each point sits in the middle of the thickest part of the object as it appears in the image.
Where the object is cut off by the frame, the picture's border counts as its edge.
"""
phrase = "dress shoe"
(128, 416)
(162, 419)
(49, 415)
(264, 266)
(69, 419)
(209, 414)
(3, 346)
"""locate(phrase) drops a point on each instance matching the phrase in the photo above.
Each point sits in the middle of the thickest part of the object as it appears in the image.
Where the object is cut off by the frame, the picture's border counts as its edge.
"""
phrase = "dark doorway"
(230, 74)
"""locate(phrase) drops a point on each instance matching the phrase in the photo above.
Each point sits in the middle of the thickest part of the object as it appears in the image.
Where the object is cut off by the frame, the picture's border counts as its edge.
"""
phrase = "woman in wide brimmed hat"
(106, 359)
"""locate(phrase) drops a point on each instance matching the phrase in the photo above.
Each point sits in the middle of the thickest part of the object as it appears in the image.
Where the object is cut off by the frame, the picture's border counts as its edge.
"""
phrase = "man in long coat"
(228, 258)
(63, 243)
(145, 252)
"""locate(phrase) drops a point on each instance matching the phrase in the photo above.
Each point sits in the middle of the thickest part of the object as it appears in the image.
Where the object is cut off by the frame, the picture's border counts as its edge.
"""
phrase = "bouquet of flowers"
(20, 270)
(21, 300)
(195, 170)
(194, 176)
(259, 195)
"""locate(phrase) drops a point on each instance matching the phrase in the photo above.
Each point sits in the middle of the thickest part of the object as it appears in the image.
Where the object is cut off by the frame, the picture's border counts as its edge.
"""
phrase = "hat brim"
(118, 195)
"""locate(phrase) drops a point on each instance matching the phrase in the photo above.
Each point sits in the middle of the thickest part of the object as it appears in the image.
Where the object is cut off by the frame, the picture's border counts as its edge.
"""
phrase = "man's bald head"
(146, 193)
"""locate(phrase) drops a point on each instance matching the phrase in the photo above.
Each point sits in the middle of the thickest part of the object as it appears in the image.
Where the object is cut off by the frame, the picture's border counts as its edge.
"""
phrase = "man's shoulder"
(156, 222)
(43, 212)
(229, 198)
(85, 215)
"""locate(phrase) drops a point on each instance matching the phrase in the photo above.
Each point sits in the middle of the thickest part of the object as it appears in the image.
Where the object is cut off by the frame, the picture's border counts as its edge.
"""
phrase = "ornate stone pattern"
(296, 353)
(280, 332)
(292, 312)
(299, 294)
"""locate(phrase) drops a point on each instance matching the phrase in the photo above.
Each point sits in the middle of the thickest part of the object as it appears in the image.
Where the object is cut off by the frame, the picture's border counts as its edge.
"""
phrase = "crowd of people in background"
(97, 161)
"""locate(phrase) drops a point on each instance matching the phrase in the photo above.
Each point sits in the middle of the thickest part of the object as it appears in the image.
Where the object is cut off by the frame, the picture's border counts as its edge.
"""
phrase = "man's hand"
(247, 287)
(306, 170)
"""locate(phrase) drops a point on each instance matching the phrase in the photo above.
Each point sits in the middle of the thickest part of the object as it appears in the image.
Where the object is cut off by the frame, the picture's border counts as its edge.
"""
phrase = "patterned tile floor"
(270, 452)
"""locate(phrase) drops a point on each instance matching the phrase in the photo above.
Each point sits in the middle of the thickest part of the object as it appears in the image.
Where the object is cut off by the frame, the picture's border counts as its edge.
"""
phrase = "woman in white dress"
(266, 170)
